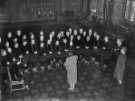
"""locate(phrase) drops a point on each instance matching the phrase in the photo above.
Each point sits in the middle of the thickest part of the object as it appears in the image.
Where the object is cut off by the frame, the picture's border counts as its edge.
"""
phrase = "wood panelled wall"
(31, 10)
(27, 10)
(113, 10)
(118, 11)
(3, 11)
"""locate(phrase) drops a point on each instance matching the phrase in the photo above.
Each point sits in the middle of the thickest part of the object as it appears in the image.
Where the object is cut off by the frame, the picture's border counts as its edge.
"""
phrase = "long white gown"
(71, 67)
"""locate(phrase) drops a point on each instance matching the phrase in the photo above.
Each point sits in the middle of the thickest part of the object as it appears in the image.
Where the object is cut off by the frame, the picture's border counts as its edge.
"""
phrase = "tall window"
(97, 8)
(130, 11)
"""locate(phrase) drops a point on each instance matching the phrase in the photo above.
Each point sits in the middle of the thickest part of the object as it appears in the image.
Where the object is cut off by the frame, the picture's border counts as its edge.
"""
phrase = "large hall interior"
(67, 50)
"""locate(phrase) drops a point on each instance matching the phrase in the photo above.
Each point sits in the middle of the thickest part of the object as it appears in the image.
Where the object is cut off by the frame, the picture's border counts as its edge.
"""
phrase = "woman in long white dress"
(71, 67)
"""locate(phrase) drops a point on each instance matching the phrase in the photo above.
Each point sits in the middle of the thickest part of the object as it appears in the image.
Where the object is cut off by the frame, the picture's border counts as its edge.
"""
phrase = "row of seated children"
(14, 46)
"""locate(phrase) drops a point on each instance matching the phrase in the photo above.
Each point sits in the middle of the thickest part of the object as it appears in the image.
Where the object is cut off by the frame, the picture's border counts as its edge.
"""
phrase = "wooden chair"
(15, 85)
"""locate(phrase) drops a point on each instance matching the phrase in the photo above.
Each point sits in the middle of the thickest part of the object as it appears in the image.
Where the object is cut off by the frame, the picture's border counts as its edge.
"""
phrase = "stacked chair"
(15, 85)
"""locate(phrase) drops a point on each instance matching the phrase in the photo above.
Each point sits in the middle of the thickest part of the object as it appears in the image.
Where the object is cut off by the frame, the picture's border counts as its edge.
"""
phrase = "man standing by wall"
(120, 65)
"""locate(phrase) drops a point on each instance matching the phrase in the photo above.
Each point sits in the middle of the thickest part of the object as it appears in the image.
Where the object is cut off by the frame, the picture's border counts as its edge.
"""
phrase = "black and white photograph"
(67, 50)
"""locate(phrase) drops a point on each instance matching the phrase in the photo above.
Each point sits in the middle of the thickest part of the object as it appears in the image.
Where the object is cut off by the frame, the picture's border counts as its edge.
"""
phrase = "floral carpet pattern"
(51, 85)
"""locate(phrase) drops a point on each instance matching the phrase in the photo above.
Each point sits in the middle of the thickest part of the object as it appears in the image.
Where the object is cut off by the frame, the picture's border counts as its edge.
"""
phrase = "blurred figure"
(71, 42)
(4, 57)
(71, 67)
(65, 44)
(120, 65)
(9, 35)
(57, 45)
(87, 42)
(15, 72)
(78, 43)
(93, 40)
(18, 33)
(67, 36)
(118, 45)
(49, 47)
(25, 45)
(9, 50)
(83, 39)
(4, 75)
(105, 43)
(62, 44)
(70, 31)
(97, 42)
(75, 33)
(41, 43)
(90, 32)
(33, 43)
(81, 31)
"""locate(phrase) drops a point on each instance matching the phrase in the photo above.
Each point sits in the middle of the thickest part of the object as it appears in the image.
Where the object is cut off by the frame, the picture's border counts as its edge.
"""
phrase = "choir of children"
(15, 46)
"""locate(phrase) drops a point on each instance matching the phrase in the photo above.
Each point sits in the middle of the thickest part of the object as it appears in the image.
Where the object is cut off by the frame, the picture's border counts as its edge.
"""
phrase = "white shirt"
(67, 34)
(9, 35)
(57, 43)
(81, 31)
(3, 53)
(15, 40)
(32, 36)
(41, 38)
(119, 43)
(106, 39)
(65, 41)
(16, 45)
(41, 45)
(24, 43)
(48, 42)
(90, 32)
(7, 44)
(71, 43)
(71, 37)
(59, 36)
(27, 52)
(33, 42)
(41, 33)
(9, 50)
(13, 59)
(75, 32)
(88, 38)
(97, 37)
(35, 52)
(19, 32)
(24, 37)
(84, 34)
(78, 37)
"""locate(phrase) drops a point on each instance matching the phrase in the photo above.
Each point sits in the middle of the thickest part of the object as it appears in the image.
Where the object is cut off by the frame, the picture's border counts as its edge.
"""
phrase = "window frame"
(97, 11)
(128, 19)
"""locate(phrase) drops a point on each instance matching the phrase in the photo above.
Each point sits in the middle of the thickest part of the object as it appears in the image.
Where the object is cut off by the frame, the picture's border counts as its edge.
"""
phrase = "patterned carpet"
(51, 85)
